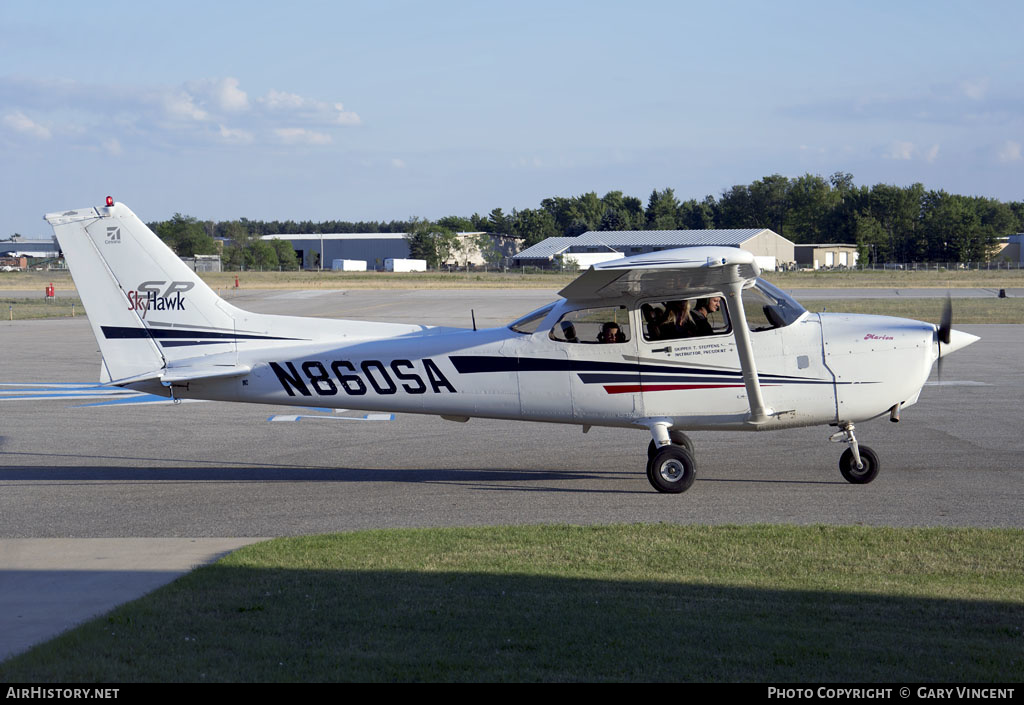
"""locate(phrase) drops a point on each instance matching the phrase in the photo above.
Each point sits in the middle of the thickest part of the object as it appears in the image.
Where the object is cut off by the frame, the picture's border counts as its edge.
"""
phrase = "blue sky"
(386, 110)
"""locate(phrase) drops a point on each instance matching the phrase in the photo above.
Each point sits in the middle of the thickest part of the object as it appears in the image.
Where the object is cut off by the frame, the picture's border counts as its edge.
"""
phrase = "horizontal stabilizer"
(177, 375)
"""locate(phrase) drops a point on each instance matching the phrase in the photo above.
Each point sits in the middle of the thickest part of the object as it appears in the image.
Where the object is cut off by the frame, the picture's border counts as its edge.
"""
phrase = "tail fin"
(146, 307)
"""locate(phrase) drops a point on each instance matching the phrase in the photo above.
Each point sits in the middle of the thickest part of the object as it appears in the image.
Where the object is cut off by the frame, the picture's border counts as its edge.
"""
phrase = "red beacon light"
(110, 201)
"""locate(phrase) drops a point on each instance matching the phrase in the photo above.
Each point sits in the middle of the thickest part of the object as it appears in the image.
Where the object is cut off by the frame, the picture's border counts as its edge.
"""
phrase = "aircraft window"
(768, 307)
(531, 322)
(608, 324)
(685, 318)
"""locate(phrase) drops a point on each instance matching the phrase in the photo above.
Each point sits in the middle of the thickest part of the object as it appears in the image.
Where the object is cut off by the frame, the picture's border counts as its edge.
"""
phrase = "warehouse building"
(373, 248)
(771, 250)
(826, 255)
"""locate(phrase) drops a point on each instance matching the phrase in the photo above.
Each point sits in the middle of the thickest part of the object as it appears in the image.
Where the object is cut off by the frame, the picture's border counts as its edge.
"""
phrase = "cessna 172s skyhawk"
(619, 349)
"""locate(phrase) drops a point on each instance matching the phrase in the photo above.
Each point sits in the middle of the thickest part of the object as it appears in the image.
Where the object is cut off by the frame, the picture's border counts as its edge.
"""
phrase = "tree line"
(888, 223)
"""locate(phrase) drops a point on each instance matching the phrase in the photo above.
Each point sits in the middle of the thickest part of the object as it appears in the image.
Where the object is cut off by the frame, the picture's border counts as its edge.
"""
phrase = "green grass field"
(563, 603)
(992, 279)
(20, 309)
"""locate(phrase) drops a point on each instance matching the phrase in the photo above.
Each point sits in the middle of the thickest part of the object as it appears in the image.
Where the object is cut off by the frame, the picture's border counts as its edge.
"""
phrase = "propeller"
(942, 332)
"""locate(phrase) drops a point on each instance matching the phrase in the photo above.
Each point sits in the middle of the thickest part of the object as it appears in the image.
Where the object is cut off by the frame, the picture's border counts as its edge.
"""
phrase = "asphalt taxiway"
(221, 473)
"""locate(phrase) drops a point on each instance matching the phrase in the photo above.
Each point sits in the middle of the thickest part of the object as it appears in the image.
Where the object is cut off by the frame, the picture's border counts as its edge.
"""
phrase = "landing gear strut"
(858, 464)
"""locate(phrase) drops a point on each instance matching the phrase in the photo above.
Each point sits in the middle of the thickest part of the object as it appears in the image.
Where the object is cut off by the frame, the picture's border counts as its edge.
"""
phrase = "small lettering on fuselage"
(312, 377)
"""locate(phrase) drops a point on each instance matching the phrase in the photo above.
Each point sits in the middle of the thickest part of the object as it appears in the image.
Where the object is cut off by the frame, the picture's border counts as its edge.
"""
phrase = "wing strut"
(758, 413)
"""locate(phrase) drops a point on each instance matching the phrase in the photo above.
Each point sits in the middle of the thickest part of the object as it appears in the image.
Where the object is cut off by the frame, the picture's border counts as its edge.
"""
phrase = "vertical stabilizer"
(146, 307)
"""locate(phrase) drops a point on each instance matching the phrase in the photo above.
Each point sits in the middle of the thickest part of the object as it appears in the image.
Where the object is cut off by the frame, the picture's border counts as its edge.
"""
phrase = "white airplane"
(608, 353)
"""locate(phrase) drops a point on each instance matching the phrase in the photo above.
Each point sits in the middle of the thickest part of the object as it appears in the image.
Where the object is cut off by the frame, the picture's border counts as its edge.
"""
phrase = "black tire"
(678, 438)
(848, 466)
(672, 470)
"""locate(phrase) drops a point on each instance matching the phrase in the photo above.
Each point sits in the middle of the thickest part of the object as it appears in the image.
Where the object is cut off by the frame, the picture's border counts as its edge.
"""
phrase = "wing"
(688, 271)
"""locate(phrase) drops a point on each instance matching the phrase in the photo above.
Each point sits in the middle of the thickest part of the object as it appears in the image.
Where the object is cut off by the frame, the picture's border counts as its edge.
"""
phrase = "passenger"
(678, 313)
(698, 325)
(652, 321)
(610, 333)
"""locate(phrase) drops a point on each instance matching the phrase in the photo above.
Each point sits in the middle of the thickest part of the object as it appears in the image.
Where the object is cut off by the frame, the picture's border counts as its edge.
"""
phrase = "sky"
(387, 110)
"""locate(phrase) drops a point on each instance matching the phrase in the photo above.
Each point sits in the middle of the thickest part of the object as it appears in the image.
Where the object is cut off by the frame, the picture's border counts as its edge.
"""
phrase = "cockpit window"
(530, 322)
(684, 318)
(767, 307)
(603, 325)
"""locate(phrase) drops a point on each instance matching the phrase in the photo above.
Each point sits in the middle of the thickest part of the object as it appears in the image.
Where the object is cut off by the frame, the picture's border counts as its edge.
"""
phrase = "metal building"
(372, 248)
(771, 249)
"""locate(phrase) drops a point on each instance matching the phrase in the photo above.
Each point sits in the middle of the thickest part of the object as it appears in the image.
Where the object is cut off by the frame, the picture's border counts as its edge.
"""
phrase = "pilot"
(698, 323)
(610, 333)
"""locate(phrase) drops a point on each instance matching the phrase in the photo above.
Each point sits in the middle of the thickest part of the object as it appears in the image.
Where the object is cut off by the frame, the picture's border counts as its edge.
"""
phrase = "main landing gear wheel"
(848, 466)
(678, 438)
(672, 469)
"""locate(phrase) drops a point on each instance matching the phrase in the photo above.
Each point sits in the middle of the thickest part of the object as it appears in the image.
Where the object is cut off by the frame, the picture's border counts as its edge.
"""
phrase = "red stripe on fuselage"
(632, 388)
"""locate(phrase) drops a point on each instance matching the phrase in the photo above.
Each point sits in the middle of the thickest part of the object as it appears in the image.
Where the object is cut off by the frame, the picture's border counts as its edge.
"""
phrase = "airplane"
(607, 353)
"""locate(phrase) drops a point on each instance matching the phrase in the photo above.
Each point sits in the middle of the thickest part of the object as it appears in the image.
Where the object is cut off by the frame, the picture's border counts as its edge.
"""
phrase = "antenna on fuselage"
(473, 314)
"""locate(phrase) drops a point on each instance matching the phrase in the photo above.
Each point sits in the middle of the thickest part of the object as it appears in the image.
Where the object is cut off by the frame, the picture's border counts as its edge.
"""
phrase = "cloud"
(903, 151)
(180, 105)
(299, 135)
(312, 111)
(397, 163)
(222, 94)
(907, 151)
(113, 147)
(975, 90)
(1010, 151)
(192, 114)
(235, 136)
(19, 122)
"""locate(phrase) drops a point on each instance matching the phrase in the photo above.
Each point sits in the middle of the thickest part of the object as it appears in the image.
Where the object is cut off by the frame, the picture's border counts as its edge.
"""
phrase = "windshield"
(530, 322)
(767, 307)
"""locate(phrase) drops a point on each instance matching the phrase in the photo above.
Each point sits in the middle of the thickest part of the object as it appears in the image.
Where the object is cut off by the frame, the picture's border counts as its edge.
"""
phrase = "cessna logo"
(349, 379)
(113, 235)
(148, 296)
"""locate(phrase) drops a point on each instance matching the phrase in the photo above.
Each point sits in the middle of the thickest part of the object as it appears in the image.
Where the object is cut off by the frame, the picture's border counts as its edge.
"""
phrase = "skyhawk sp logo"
(148, 297)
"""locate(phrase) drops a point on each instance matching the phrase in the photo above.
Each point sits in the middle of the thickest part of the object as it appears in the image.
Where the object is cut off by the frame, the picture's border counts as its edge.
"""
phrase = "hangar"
(826, 255)
(771, 249)
(372, 248)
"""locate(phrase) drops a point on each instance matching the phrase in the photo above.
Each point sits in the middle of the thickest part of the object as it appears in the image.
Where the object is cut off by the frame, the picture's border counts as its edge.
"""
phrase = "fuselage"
(813, 369)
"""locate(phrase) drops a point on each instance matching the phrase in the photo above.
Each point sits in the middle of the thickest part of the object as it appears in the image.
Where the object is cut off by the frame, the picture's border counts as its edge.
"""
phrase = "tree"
(499, 223)
(870, 237)
(662, 210)
(431, 242)
(186, 236)
(811, 201)
(488, 248)
(263, 254)
(286, 257)
(533, 226)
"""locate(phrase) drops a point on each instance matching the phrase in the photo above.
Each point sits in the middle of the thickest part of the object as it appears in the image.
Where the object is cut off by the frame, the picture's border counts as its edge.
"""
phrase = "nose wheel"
(858, 464)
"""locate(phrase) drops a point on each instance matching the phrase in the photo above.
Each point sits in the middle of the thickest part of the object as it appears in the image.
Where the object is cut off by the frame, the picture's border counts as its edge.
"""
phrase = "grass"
(992, 279)
(991, 310)
(20, 309)
(891, 279)
(563, 603)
